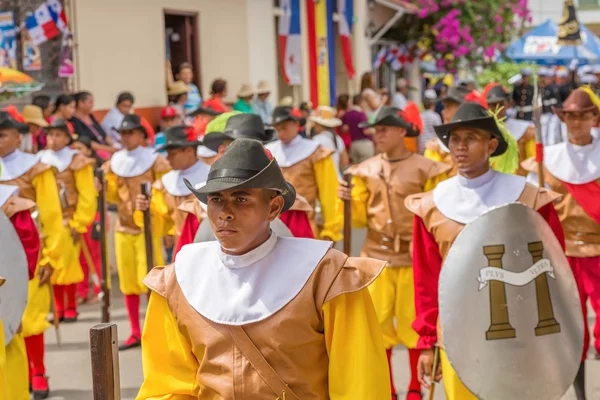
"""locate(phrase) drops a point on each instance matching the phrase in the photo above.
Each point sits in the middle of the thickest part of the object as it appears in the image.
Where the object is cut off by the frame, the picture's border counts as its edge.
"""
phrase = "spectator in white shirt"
(371, 99)
(325, 122)
(399, 99)
(430, 119)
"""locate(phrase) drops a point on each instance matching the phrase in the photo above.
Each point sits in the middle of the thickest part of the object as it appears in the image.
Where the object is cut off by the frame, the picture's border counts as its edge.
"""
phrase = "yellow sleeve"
(360, 196)
(355, 348)
(530, 148)
(111, 188)
(87, 202)
(327, 185)
(433, 182)
(50, 217)
(169, 364)
(432, 155)
(162, 223)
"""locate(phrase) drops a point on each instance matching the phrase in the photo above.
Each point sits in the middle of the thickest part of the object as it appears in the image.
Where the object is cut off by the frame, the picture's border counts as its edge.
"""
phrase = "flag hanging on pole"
(380, 57)
(40, 25)
(58, 15)
(290, 45)
(345, 9)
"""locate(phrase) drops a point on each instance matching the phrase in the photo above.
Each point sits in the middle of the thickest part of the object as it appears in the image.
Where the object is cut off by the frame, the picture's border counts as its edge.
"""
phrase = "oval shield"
(510, 314)
(13, 268)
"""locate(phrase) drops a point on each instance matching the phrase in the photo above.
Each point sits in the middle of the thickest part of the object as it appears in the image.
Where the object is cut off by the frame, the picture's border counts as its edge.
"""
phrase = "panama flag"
(58, 15)
(40, 25)
(345, 9)
(380, 57)
(290, 44)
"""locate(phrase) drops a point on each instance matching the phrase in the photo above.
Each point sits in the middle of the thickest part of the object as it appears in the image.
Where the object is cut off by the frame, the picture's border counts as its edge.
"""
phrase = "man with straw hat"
(35, 181)
(572, 169)
(177, 93)
(74, 175)
(379, 186)
(261, 105)
(309, 167)
(245, 96)
(292, 223)
(169, 192)
(323, 132)
(34, 117)
(474, 138)
(125, 172)
(264, 316)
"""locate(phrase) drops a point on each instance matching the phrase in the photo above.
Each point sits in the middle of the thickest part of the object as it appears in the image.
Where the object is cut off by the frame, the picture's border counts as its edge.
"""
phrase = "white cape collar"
(517, 127)
(238, 290)
(204, 151)
(127, 164)
(297, 150)
(573, 164)
(462, 200)
(6, 191)
(16, 164)
(173, 180)
(59, 159)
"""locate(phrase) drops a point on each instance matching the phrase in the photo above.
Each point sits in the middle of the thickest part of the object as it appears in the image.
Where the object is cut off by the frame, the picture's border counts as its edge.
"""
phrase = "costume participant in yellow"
(380, 185)
(265, 316)
(35, 181)
(309, 167)
(75, 179)
(125, 172)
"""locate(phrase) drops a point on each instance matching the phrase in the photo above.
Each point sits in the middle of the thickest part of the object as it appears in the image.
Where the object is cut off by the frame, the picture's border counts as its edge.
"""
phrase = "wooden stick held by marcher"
(105, 278)
(89, 261)
(148, 229)
(436, 363)
(348, 218)
(105, 362)
(55, 321)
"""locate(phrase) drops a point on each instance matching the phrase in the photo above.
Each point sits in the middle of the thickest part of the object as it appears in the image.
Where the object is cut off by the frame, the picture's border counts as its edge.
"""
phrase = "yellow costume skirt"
(37, 309)
(130, 251)
(393, 297)
(453, 386)
(17, 369)
(69, 271)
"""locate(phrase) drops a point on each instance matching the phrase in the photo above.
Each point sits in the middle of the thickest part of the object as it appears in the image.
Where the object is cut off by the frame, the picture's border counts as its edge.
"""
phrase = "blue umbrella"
(539, 46)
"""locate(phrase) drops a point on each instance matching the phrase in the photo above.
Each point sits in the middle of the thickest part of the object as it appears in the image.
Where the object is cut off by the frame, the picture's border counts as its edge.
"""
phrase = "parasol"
(15, 82)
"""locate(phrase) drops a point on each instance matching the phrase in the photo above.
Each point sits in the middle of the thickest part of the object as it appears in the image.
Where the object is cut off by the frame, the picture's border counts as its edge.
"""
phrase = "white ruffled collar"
(16, 164)
(239, 290)
(6, 191)
(128, 164)
(59, 159)
(295, 151)
(462, 200)
(517, 127)
(173, 180)
(572, 163)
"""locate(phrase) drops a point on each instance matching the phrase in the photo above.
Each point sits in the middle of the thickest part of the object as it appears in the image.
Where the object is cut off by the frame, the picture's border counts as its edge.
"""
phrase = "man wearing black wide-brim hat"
(379, 186)
(473, 137)
(125, 172)
(297, 312)
(169, 192)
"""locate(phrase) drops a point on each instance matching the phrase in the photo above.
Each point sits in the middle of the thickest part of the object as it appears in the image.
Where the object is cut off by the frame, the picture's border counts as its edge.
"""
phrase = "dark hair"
(366, 81)
(218, 86)
(81, 97)
(42, 101)
(342, 101)
(125, 96)
(63, 100)
(428, 103)
(357, 99)
(185, 65)
(87, 142)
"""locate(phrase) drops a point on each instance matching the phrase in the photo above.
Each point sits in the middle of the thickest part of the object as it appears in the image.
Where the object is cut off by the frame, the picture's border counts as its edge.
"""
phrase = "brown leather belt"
(394, 244)
(583, 238)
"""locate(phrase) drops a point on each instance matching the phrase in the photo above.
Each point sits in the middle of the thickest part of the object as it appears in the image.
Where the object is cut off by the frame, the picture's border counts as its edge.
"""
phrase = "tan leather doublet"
(129, 188)
(25, 181)
(16, 204)
(66, 180)
(389, 222)
(173, 203)
(582, 232)
(291, 340)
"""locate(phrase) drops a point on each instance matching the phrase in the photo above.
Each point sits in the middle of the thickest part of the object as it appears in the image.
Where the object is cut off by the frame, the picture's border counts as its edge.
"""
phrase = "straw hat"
(178, 87)
(287, 101)
(325, 116)
(263, 87)
(34, 115)
(245, 91)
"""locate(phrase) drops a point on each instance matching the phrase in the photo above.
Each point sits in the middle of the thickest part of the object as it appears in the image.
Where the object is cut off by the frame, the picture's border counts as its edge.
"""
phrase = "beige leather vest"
(25, 181)
(66, 180)
(291, 340)
(173, 203)
(390, 223)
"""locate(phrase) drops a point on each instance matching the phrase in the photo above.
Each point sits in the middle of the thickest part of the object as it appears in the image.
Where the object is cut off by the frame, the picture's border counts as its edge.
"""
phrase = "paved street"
(70, 372)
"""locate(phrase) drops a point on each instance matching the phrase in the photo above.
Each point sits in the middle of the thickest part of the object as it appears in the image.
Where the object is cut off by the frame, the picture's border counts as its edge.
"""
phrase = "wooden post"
(348, 218)
(148, 229)
(105, 278)
(105, 362)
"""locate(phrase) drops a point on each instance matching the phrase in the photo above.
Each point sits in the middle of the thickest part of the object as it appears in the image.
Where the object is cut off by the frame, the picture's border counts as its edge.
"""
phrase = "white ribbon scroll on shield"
(488, 274)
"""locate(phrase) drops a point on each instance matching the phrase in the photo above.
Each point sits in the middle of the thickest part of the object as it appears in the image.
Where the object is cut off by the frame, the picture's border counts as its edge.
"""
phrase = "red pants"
(588, 272)
(83, 287)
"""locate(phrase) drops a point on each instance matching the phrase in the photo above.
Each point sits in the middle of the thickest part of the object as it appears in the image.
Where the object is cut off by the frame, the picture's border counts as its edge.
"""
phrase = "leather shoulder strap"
(260, 364)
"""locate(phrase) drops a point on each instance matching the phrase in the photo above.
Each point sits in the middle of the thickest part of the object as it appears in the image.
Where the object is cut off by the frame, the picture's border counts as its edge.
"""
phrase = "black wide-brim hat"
(497, 94)
(472, 115)
(245, 165)
(249, 126)
(285, 113)
(456, 94)
(61, 124)
(204, 110)
(131, 122)
(391, 116)
(8, 122)
(178, 137)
